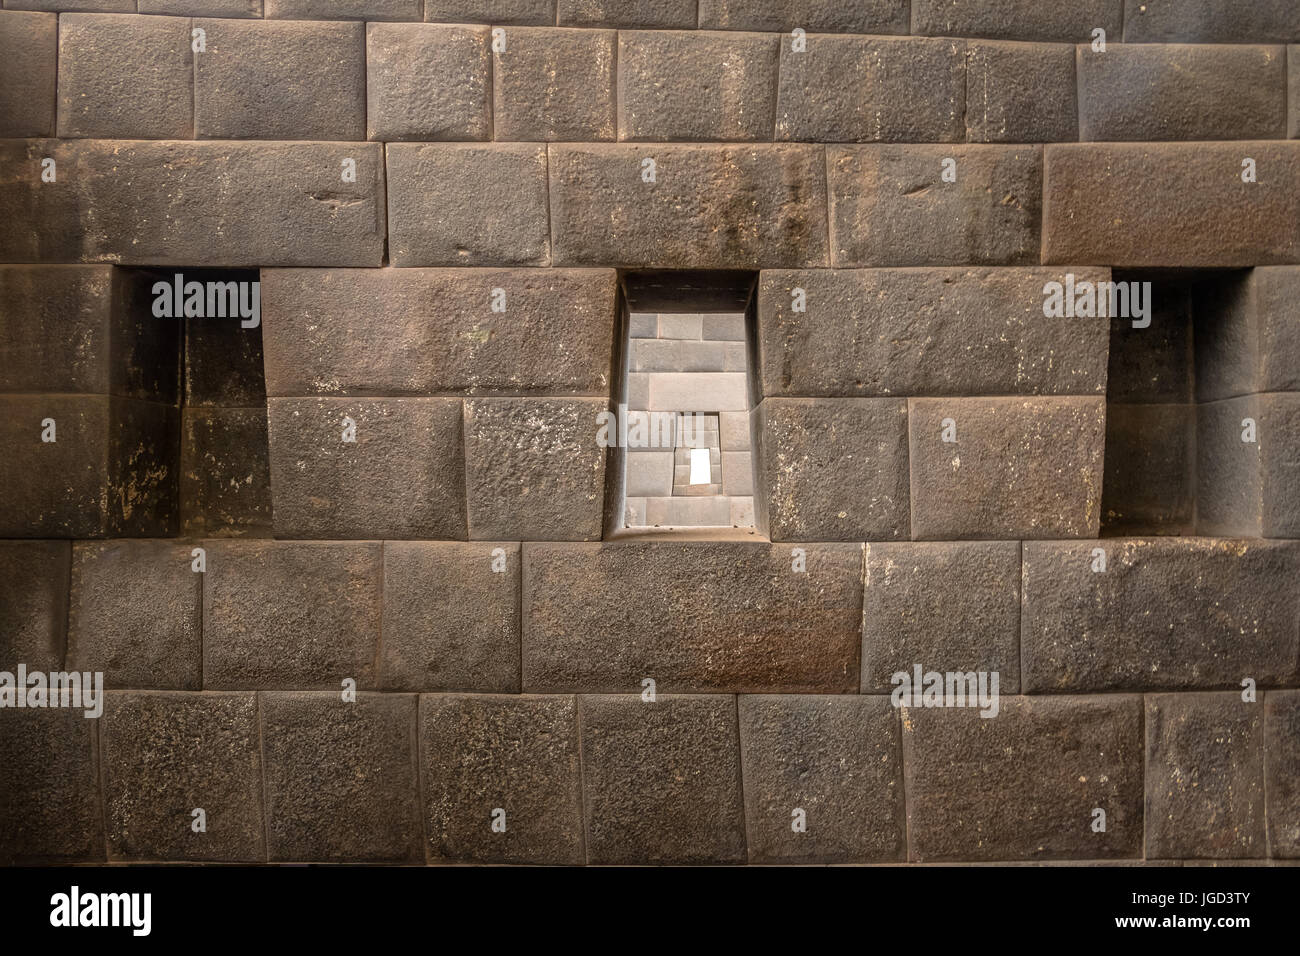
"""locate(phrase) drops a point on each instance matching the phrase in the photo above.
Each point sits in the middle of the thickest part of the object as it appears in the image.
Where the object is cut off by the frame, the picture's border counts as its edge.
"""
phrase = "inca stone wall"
(340, 533)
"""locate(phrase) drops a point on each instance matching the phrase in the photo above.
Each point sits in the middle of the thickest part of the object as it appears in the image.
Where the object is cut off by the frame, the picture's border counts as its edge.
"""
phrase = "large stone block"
(1020, 92)
(176, 203)
(167, 755)
(733, 207)
(1174, 91)
(204, 8)
(944, 607)
(97, 6)
(695, 617)
(1165, 614)
(925, 332)
(833, 469)
(1185, 205)
(628, 14)
(1210, 21)
(1018, 19)
(661, 780)
(1024, 785)
(1149, 485)
(343, 9)
(407, 62)
(125, 76)
(1282, 772)
(891, 207)
(1019, 468)
(1247, 334)
(501, 779)
(813, 16)
(451, 617)
(554, 85)
(1249, 487)
(290, 615)
(33, 604)
(1293, 91)
(696, 86)
(402, 475)
(225, 472)
(872, 90)
(29, 50)
(342, 779)
(836, 759)
(533, 12)
(430, 331)
(1205, 777)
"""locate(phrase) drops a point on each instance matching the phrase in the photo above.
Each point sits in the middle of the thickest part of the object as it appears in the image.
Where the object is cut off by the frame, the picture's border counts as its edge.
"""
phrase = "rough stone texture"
(1020, 93)
(459, 204)
(403, 476)
(1150, 480)
(833, 469)
(1023, 785)
(1018, 19)
(97, 6)
(343, 9)
(836, 758)
(125, 76)
(33, 604)
(29, 45)
(1187, 92)
(1205, 777)
(1154, 364)
(695, 617)
(520, 755)
(733, 207)
(535, 12)
(281, 615)
(135, 614)
(193, 202)
(1229, 471)
(427, 82)
(696, 86)
(628, 14)
(1247, 334)
(50, 810)
(890, 207)
(203, 8)
(661, 781)
(913, 332)
(341, 778)
(1138, 204)
(1280, 481)
(1293, 91)
(946, 607)
(1166, 614)
(872, 89)
(225, 472)
(167, 754)
(533, 469)
(223, 360)
(1210, 21)
(430, 331)
(1020, 468)
(451, 619)
(814, 16)
(1282, 771)
(554, 85)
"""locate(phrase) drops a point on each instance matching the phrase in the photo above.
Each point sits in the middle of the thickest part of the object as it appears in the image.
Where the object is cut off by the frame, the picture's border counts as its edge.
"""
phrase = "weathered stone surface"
(343, 9)
(451, 618)
(813, 16)
(98, 6)
(168, 754)
(486, 754)
(835, 758)
(1023, 785)
(554, 85)
(203, 8)
(628, 14)
(110, 472)
(1153, 363)
(225, 473)
(125, 76)
(29, 49)
(533, 469)
(1139, 204)
(1205, 777)
(696, 86)
(1293, 91)
(50, 810)
(1247, 334)
(1282, 771)
(946, 607)
(1166, 614)
(1150, 479)
(709, 207)
(1020, 468)
(1018, 19)
(430, 331)
(1229, 470)
(402, 477)
(890, 206)
(833, 469)
(427, 82)
(1280, 481)
(33, 604)
(177, 203)
(696, 617)
(872, 89)
(341, 778)
(1210, 21)
(223, 360)
(1020, 93)
(290, 615)
(534, 12)
(458, 204)
(661, 780)
(925, 332)
(1194, 92)
(134, 614)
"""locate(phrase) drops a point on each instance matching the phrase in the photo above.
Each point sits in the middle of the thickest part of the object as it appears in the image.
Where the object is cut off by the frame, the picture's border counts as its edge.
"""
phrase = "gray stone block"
(814, 16)
(1018, 19)
(29, 50)
(427, 82)
(554, 85)
(1020, 93)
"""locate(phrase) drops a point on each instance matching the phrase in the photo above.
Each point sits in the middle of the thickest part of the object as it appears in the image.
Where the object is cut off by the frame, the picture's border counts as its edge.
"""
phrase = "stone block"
(407, 62)
(627, 14)
(29, 50)
(1210, 21)
(814, 16)
(1150, 471)
(1020, 92)
(1247, 334)
(1018, 19)
(33, 604)
(535, 12)
(225, 472)
(554, 85)
(1282, 772)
